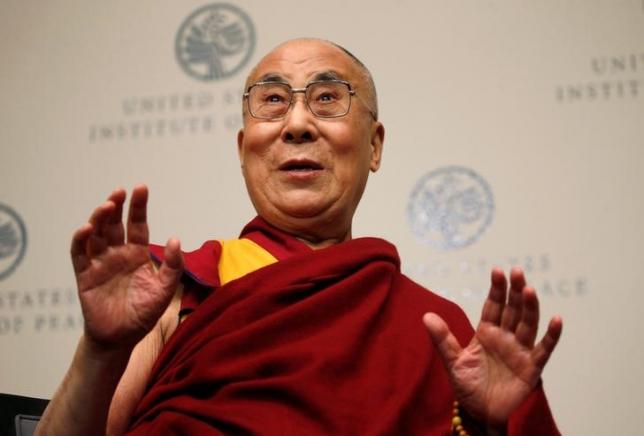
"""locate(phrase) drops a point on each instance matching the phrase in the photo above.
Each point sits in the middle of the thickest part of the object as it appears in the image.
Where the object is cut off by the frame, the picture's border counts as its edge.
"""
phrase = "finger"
(172, 266)
(114, 231)
(80, 260)
(96, 243)
(137, 225)
(100, 215)
(446, 343)
(517, 278)
(526, 331)
(547, 345)
(495, 302)
(512, 312)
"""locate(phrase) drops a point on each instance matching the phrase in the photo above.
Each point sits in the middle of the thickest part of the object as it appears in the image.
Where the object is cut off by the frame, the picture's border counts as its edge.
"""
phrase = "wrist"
(81, 403)
(109, 362)
(465, 424)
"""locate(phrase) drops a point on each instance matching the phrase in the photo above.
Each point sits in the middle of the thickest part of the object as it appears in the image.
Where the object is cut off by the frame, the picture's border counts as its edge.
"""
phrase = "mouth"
(300, 166)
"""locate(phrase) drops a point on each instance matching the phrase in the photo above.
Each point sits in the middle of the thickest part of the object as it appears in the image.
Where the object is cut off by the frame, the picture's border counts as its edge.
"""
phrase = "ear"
(240, 141)
(377, 142)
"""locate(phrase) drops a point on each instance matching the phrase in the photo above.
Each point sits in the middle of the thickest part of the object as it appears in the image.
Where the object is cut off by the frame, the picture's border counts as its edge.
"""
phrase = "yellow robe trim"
(240, 257)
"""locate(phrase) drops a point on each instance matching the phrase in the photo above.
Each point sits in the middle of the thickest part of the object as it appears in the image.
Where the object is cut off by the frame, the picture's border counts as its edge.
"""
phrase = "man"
(295, 328)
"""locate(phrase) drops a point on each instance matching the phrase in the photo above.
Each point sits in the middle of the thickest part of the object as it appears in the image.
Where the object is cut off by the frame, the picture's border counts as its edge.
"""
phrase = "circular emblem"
(215, 42)
(13, 240)
(450, 208)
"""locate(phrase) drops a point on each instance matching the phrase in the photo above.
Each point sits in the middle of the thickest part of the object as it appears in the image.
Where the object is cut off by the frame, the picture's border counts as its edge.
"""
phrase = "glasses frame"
(293, 91)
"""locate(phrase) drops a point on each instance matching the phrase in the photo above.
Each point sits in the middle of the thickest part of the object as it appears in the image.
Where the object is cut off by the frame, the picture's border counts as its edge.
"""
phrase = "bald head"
(366, 87)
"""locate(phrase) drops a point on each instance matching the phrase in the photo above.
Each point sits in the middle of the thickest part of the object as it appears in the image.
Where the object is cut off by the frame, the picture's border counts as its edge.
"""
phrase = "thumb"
(172, 266)
(446, 343)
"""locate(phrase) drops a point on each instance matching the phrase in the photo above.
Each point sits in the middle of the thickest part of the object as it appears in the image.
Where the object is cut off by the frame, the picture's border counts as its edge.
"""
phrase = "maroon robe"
(324, 342)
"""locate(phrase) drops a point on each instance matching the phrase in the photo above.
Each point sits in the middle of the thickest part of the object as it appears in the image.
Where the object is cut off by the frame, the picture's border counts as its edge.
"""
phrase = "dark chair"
(19, 415)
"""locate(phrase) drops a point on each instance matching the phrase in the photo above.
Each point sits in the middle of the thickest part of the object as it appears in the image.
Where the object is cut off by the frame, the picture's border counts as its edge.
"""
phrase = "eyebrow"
(272, 77)
(327, 75)
(322, 75)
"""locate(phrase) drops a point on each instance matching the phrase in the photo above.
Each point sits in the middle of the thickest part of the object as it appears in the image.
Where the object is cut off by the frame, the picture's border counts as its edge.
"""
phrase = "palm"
(121, 293)
(501, 365)
(491, 374)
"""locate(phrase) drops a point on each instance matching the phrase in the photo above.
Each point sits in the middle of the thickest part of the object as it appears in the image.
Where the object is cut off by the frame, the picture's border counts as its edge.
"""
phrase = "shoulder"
(200, 264)
(407, 296)
(426, 300)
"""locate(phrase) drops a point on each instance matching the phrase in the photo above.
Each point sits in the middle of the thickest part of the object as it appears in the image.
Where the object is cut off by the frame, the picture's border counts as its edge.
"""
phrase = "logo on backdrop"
(450, 208)
(609, 77)
(215, 42)
(13, 240)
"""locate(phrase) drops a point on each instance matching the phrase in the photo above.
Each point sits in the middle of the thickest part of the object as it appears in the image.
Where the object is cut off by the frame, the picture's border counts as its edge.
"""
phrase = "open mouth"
(300, 166)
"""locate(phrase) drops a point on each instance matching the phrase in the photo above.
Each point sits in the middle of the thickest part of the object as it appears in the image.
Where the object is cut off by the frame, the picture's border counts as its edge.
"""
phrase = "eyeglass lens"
(325, 99)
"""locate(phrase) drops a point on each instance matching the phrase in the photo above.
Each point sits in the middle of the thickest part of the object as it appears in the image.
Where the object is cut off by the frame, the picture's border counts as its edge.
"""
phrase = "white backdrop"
(543, 102)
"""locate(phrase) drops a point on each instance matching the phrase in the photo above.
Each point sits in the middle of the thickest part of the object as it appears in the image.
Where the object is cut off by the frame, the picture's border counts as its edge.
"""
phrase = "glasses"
(324, 98)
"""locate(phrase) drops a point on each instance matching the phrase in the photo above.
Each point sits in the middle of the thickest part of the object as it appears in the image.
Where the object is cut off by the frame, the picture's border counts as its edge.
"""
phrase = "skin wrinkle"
(319, 77)
(370, 94)
(118, 287)
(318, 208)
(276, 77)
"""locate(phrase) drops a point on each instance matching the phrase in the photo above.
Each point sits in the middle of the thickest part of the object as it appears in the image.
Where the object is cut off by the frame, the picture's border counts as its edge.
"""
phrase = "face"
(304, 174)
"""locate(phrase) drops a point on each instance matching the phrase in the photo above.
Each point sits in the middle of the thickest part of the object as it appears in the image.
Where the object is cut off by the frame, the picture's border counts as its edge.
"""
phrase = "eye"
(327, 93)
(274, 98)
(270, 94)
(327, 97)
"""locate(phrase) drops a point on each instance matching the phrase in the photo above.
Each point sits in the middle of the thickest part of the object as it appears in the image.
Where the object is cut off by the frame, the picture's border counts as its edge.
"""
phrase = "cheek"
(343, 141)
(352, 163)
(350, 148)
(257, 142)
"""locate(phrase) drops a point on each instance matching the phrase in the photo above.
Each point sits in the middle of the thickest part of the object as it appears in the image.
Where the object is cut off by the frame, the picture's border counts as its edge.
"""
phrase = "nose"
(299, 123)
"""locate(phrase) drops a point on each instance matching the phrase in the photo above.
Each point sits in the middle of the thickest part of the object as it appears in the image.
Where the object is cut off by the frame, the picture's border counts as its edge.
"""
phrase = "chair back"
(19, 415)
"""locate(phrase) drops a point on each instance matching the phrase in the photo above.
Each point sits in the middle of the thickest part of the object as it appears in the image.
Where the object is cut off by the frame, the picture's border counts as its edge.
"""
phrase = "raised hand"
(501, 365)
(121, 293)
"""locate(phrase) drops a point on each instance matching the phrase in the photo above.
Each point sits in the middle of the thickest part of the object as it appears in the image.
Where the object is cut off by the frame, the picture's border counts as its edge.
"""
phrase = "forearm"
(81, 403)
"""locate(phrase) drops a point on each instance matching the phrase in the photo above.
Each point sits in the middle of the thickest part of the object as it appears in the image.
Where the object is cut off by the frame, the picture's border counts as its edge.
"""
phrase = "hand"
(121, 294)
(501, 365)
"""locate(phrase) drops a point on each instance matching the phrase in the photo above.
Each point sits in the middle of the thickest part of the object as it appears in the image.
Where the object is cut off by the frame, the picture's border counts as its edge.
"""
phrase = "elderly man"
(295, 327)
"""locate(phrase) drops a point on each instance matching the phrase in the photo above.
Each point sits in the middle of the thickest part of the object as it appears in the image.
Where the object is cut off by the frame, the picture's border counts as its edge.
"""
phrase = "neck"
(315, 232)
(317, 244)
